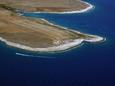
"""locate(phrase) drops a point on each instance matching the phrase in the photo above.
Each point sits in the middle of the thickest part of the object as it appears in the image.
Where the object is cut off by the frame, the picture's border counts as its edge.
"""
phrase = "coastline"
(66, 45)
(61, 27)
(90, 7)
(51, 49)
(61, 47)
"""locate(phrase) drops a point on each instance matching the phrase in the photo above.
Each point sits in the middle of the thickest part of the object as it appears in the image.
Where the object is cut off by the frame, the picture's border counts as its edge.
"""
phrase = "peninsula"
(49, 6)
(38, 34)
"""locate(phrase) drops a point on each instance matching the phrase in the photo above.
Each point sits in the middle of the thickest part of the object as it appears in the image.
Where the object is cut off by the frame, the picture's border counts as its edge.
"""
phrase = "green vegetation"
(7, 7)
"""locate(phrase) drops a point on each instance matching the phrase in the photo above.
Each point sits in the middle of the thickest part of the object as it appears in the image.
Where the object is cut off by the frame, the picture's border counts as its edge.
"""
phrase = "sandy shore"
(49, 49)
(90, 7)
(62, 47)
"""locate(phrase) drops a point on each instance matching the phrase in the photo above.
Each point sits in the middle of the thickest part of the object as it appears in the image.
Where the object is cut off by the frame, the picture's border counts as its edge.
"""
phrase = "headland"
(39, 34)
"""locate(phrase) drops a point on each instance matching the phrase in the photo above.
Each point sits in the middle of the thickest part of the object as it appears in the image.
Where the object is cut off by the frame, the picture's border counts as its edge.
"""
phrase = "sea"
(90, 64)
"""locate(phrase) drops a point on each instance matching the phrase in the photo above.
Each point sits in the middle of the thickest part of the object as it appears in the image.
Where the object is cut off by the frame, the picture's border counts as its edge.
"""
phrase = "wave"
(27, 55)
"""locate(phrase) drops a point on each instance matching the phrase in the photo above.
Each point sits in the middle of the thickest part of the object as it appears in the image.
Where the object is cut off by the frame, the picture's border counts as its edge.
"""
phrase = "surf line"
(27, 55)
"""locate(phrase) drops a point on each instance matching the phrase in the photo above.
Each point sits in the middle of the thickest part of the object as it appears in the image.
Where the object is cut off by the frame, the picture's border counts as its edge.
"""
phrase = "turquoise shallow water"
(88, 65)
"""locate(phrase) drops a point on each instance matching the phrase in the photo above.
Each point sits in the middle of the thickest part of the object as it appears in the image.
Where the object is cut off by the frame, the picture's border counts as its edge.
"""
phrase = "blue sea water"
(88, 65)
